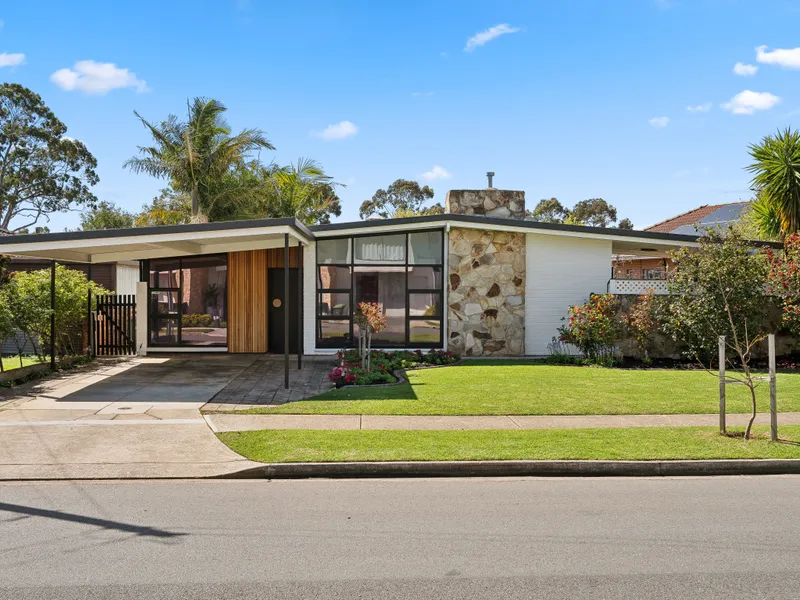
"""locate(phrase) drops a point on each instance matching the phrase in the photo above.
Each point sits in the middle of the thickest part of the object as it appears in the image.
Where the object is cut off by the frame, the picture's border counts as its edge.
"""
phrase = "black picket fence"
(114, 327)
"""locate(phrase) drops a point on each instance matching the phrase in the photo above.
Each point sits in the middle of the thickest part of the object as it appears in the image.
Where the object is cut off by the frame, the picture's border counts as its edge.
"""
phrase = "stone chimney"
(490, 202)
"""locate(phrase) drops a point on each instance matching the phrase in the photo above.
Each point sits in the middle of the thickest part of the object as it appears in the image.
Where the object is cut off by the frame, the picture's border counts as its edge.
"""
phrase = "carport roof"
(112, 245)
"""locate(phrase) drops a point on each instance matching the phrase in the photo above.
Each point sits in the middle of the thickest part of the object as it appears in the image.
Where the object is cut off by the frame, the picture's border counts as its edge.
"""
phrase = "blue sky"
(573, 99)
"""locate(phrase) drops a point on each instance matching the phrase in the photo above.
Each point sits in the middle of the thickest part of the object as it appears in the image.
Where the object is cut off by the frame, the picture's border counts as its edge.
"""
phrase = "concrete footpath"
(237, 422)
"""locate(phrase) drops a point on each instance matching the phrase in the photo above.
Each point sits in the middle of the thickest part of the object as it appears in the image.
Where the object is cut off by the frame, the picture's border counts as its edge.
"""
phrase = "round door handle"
(276, 303)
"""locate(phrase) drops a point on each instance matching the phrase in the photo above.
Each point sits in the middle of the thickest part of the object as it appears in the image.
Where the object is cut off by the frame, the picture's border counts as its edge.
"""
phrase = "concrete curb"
(517, 468)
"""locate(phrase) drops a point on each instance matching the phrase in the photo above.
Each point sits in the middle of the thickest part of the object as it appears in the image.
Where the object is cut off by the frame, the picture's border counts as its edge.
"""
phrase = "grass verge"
(636, 443)
(520, 388)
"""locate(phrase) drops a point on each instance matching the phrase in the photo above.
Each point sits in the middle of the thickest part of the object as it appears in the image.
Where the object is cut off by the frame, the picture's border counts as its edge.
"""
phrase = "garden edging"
(522, 468)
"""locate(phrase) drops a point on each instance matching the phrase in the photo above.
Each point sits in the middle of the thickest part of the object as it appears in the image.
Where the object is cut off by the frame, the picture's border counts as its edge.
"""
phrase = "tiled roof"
(689, 218)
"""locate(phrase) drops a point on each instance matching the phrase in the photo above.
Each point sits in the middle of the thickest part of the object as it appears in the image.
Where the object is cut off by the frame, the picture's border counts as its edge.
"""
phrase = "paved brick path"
(261, 383)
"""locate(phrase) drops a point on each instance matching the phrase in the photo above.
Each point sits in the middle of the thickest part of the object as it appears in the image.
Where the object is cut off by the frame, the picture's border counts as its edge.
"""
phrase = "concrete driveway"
(119, 418)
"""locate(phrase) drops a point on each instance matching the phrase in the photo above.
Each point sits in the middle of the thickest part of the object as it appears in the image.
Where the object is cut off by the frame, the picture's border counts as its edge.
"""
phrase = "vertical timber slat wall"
(247, 301)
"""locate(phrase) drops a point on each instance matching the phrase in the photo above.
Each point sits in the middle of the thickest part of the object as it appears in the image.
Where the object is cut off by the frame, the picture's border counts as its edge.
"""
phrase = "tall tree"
(594, 212)
(198, 155)
(106, 215)
(776, 179)
(402, 198)
(549, 210)
(168, 208)
(625, 224)
(41, 170)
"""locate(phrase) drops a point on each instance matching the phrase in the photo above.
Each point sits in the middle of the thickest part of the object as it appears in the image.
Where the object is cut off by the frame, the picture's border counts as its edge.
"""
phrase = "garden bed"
(385, 367)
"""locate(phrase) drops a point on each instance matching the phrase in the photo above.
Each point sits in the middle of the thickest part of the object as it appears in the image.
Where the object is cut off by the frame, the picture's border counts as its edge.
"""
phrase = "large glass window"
(402, 273)
(189, 301)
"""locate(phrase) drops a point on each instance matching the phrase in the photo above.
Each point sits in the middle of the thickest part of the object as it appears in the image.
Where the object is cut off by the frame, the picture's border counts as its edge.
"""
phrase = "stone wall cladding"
(490, 202)
(486, 293)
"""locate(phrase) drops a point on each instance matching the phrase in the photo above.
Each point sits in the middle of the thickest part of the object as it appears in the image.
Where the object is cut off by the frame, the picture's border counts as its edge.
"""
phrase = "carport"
(247, 251)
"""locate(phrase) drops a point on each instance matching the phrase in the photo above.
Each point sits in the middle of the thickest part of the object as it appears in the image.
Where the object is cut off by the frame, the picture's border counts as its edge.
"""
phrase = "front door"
(276, 307)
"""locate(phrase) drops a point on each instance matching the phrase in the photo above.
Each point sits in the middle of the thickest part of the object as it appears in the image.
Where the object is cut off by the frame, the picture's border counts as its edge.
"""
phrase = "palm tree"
(199, 155)
(302, 190)
(777, 180)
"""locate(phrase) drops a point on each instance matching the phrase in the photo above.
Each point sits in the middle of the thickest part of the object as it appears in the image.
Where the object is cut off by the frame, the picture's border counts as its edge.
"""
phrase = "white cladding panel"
(560, 272)
(127, 278)
(309, 298)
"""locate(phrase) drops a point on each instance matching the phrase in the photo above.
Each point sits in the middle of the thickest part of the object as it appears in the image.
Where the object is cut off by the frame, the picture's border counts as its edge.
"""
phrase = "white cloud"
(11, 60)
(339, 131)
(788, 58)
(437, 172)
(92, 77)
(699, 108)
(659, 122)
(745, 70)
(422, 94)
(748, 102)
(479, 39)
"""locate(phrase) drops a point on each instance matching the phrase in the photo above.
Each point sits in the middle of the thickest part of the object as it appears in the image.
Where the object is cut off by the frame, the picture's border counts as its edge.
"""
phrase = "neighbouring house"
(117, 277)
(479, 280)
(653, 270)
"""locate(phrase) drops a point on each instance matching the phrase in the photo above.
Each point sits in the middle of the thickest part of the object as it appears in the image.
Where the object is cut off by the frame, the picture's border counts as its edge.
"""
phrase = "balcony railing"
(637, 286)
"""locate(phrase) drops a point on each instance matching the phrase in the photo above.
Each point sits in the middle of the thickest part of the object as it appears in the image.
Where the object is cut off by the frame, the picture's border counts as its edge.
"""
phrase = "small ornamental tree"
(370, 319)
(592, 327)
(784, 280)
(28, 298)
(717, 290)
(642, 323)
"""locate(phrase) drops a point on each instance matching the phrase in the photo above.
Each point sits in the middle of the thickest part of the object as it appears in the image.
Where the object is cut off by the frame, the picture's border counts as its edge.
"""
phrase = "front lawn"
(643, 443)
(520, 388)
(12, 362)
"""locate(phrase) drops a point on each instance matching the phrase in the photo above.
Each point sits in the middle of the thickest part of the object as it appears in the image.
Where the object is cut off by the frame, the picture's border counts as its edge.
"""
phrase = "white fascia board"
(379, 229)
(577, 234)
(169, 243)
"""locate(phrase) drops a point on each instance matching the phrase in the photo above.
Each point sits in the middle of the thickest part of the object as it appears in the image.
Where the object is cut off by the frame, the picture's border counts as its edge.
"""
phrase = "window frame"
(153, 319)
(408, 319)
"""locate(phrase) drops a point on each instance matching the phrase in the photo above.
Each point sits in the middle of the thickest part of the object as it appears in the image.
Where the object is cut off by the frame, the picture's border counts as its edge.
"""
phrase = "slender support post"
(722, 427)
(300, 300)
(773, 392)
(53, 316)
(286, 311)
(89, 311)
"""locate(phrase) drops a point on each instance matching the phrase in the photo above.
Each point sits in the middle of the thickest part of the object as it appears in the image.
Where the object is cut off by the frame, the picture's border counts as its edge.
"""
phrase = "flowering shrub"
(341, 376)
(783, 279)
(383, 364)
(641, 323)
(592, 327)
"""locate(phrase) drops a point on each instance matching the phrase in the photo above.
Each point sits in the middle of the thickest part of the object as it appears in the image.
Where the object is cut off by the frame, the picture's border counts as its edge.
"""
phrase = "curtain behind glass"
(380, 249)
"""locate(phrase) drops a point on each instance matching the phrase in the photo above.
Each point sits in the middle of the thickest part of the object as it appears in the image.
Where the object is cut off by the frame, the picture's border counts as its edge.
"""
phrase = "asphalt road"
(698, 538)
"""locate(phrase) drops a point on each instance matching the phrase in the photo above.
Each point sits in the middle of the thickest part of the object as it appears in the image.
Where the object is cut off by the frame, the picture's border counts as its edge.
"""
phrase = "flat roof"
(138, 243)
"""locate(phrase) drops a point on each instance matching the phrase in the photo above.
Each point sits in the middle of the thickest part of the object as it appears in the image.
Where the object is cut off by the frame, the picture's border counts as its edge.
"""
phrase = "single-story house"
(479, 280)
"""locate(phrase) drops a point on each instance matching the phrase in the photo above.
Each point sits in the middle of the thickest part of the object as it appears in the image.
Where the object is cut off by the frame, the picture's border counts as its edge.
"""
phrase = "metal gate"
(114, 330)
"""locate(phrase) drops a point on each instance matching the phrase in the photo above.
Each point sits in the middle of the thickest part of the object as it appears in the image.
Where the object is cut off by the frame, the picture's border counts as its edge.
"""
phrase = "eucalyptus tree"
(42, 170)
(199, 155)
